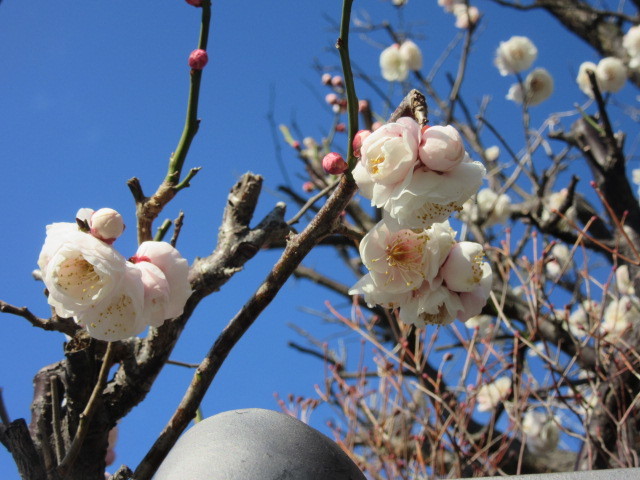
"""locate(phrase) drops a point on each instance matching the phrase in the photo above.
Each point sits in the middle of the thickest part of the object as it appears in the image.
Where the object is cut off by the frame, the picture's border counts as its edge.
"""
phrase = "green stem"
(191, 123)
(352, 100)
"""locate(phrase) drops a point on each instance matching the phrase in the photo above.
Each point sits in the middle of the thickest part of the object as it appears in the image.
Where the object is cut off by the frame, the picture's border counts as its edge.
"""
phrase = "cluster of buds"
(610, 73)
(111, 297)
(419, 177)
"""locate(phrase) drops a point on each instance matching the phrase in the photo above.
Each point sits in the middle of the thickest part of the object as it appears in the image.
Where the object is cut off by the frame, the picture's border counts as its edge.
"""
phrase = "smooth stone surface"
(256, 444)
(614, 474)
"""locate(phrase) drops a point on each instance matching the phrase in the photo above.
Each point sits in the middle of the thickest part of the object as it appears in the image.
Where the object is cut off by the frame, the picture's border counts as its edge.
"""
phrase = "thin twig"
(58, 443)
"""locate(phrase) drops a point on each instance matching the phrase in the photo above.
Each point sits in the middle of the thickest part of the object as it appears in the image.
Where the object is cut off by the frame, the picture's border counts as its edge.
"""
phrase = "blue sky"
(94, 93)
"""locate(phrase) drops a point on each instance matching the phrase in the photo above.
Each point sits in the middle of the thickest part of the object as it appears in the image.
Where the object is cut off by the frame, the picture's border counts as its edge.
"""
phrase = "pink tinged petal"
(176, 271)
(463, 271)
(473, 302)
(432, 304)
(106, 225)
(395, 258)
(120, 315)
(156, 293)
(441, 148)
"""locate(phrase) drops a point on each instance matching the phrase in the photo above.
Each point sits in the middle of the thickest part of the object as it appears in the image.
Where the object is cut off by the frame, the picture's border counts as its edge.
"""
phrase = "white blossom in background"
(492, 153)
(411, 54)
(484, 324)
(583, 79)
(448, 5)
(631, 43)
(541, 431)
(611, 74)
(582, 317)
(538, 86)
(554, 201)
(623, 281)
(619, 315)
(393, 66)
(494, 209)
(558, 262)
(465, 15)
(515, 55)
(491, 394)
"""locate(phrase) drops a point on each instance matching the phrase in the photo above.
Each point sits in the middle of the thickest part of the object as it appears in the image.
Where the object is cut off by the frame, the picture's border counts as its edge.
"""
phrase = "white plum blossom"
(492, 153)
(515, 55)
(583, 79)
(393, 66)
(411, 54)
(441, 148)
(82, 272)
(537, 87)
(432, 304)
(432, 196)
(484, 324)
(580, 320)
(388, 158)
(623, 281)
(491, 394)
(611, 74)
(120, 315)
(112, 298)
(465, 15)
(560, 259)
(631, 43)
(618, 317)
(492, 208)
(541, 431)
(463, 269)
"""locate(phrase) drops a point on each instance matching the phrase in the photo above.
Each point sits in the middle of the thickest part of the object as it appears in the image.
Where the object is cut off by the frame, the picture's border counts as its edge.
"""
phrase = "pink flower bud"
(334, 164)
(358, 139)
(308, 187)
(195, 3)
(363, 105)
(331, 98)
(106, 224)
(341, 127)
(326, 78)
(337, 81)
(198, 59)
(441, 148)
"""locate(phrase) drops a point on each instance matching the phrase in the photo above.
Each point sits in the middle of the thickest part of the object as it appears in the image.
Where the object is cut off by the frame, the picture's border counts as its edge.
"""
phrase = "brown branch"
(297, 248)
(15, 437)
(64, 325)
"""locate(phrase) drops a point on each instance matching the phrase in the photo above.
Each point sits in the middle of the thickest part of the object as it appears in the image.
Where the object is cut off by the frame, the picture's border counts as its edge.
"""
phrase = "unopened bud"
(358, 140)
(198, 59)
(337, 81)
(341, 127)
(375, 126)
(331, 98)
(308, 187)
(195, 3)
(334, 164)
(363, 105)
(106, 224)
(326, 78)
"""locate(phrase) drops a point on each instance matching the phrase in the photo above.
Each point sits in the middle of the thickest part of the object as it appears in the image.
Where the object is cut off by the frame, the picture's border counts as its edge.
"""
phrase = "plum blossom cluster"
(419, 177)
(610, 73)
(111, 297)
(515, 56)
(466, 15)
(397, 61)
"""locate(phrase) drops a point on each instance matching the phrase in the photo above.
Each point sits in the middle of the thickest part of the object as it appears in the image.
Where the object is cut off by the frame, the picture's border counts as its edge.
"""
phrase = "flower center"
(78, 279)
(373, 165)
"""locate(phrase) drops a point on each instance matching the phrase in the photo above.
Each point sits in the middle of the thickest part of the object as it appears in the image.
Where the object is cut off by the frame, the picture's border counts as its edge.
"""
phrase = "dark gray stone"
(256, 444)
